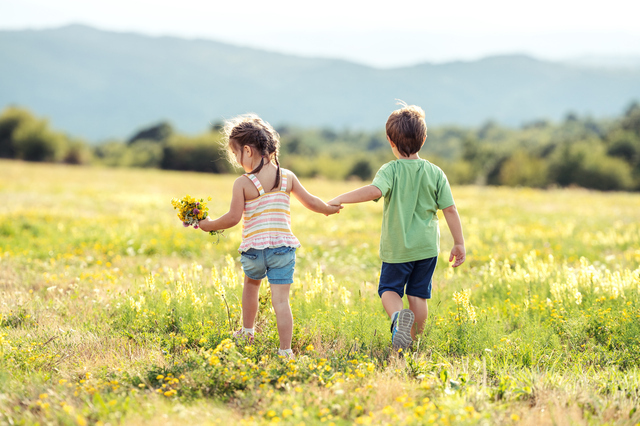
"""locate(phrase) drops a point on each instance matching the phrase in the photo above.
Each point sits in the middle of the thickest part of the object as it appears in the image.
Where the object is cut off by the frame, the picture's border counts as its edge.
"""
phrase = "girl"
(268, 245)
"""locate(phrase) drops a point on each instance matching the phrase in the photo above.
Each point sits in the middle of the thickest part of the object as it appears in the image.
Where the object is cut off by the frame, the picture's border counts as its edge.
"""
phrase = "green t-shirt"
(413, 191)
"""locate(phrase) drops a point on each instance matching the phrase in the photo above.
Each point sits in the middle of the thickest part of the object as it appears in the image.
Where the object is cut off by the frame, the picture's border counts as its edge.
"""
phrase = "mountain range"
(98, 85)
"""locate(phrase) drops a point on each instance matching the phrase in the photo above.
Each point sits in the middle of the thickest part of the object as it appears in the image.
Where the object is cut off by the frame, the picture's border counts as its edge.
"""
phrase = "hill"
(98, 84)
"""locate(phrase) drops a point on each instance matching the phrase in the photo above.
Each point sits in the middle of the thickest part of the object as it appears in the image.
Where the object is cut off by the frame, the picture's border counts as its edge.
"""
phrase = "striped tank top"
(267, 219)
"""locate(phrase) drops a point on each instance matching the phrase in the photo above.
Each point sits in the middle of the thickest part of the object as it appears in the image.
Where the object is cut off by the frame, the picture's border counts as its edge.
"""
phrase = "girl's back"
(267, 216)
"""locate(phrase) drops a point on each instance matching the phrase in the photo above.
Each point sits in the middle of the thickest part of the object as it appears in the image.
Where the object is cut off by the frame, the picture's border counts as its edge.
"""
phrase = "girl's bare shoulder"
(244, 184)
(243, 180)
(291, 178)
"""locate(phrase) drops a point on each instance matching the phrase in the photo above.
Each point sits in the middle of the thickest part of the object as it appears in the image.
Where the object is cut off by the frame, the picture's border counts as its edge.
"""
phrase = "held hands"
(332, 208)
(457, 252)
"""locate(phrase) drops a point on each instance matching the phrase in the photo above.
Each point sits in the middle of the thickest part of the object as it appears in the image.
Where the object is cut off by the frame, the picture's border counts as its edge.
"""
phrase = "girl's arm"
(233, 216)
(360, 195)
(455, 226)
(310, 201)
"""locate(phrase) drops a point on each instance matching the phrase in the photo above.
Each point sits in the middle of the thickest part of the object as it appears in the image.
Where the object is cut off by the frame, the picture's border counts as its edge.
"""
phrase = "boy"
(413, 191)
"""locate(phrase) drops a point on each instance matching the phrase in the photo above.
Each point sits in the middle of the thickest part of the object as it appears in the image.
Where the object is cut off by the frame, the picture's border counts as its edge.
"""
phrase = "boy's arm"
(360, 195)
(455, 226)
(310, 201)
(233, 216)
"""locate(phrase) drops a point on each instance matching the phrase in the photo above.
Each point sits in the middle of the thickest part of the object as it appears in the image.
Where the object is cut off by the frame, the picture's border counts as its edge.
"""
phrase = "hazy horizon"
(383, 37)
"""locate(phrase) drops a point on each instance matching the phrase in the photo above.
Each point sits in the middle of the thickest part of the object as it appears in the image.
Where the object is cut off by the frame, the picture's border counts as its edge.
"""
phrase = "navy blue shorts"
(416, 276)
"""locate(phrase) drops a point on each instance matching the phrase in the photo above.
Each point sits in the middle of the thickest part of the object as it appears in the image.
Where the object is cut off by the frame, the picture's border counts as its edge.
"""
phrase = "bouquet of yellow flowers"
(191, 211)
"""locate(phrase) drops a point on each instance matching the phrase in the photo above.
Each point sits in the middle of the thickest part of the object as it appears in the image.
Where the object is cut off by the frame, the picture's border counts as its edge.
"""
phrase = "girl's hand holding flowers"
(192, 211)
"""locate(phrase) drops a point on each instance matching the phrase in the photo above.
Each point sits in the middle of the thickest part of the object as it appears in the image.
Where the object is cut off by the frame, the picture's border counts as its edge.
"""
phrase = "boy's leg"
(392, 302)
(284, 318)
(393, 277)
(421, 310)
(250, 301)
(401, 320)
(419, 291)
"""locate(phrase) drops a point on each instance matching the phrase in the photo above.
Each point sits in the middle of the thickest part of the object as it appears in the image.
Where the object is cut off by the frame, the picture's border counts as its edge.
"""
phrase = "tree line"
(601, 154)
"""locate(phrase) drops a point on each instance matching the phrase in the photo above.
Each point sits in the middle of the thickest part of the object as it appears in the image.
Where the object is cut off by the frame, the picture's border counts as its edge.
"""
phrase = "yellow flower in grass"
(388, 410)
(462, 300)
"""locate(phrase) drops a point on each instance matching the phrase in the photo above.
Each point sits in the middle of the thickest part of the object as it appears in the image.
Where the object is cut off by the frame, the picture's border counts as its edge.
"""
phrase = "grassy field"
(112, 313)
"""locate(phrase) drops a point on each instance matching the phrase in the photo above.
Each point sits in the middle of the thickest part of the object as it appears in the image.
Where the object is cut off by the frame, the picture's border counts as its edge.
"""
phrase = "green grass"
(112, 312)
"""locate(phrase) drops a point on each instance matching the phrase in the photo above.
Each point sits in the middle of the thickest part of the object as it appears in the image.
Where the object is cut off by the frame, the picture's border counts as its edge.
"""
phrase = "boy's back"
(413, 191)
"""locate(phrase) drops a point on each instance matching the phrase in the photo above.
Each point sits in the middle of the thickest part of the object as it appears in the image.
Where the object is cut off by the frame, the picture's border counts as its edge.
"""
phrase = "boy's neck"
(414, 156)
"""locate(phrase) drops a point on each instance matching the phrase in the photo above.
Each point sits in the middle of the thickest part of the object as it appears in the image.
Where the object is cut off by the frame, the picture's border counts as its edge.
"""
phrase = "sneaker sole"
(402, 339)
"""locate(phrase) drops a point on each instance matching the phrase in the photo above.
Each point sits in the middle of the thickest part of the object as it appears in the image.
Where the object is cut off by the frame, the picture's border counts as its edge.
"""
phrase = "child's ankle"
(286, 353)
(248, 330)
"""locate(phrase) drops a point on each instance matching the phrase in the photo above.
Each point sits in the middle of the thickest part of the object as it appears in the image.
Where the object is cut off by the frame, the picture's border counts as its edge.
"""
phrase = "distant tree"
(487, 129)
(376, 142)
(10, 119)
(300, 144)
(523, 169)
(34, 141)
(284, 130)
(633, 107)
(485, 159)
(26, 137)
(537, 124)
(631, 119)
(362, 169)
(111, 153)
(586, 164)
(202, 153)
(77, 153)
(328, 134)
(157, 133)
(217, 126)
(571, 117)
(293, 145)
(593, 127)
(624, 144)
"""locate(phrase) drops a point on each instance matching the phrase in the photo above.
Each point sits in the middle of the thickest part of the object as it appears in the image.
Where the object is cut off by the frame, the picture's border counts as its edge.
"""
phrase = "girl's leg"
(284, 318)
(250, 301)
(420, 309)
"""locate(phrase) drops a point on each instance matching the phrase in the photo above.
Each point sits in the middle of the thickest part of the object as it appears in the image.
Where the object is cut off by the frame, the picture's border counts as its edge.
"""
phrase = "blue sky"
(384, 34)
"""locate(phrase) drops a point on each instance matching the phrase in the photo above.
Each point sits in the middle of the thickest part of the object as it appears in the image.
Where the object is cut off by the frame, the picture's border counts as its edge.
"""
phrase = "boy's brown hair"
(407, 129)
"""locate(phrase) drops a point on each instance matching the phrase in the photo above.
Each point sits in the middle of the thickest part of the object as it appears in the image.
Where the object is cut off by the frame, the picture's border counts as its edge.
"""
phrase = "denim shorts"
(416, 276)
(277, 264)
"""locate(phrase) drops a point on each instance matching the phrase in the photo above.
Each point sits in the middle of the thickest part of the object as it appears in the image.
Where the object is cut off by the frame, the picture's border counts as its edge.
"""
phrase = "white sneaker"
(286, 353)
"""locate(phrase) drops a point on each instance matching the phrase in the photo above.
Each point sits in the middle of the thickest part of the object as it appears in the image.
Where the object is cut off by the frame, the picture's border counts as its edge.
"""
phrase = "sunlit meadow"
(112, 312)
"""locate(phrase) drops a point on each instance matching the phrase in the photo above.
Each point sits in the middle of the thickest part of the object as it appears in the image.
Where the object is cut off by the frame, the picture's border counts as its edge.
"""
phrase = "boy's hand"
(458, 252)
(335, 202)
(333, 209)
